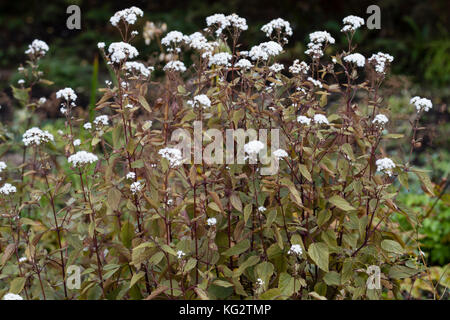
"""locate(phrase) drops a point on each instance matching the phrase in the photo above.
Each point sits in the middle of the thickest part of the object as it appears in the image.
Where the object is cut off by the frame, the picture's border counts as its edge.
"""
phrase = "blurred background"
(415, 32)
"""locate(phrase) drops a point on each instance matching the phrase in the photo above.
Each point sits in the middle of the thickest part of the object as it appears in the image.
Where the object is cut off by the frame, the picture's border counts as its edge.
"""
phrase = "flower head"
(67, 94)
(356, 58)
(380, 119)
(173, 155)
(200, 100)
(295, 249)
(211, 222)
(175, 66)
(421, 104)
(12, 296)
(2, 166)
(220, 59)
(136, 187)
(351, 23)
(385, 165)
(7, 189)
(280, 26)
(37, 48)
(102, 120)
(299, 67)
(180, 254)
(36, 136)
(253, 147)
(280, 153)
(82, 158)
(381, 61)
(243, 64)
(304, 120)
(128, 16)
(121, 51)
(320, 119)
(265, 50)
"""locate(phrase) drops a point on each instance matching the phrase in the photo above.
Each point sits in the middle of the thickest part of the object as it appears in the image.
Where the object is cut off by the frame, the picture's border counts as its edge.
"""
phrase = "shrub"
(120, 198)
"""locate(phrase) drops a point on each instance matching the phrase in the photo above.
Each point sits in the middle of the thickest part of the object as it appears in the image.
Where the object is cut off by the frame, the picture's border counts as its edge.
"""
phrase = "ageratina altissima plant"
(110, 207)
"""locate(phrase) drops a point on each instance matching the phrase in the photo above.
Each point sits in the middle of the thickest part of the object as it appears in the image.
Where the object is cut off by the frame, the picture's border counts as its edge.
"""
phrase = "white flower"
(295, 249)
(421, 104)
(7, 189)
(211, 222)
(351, 23)
(280, 153)
(23, 259)
(76, 142)
(304, 120)
(102, 120)
(277, 25)
(265, 50)
(316, 83)
(243, 64)
(381, 60)
(36, 136)
(131, 175)
(200, 100)
(127, 16)
(220, 21)
(67, 94)
(120, 51)
(2, 166)
(318, 40)
(82, 158)
(380, 119)
(140, 68)
(173, 38)
(42, 100)
(87, 126)
(12, 296)
(320, 119)
(262, 209)
(175, 66)
(129, 106)
(220, 59)
(136, 187)
(101, 45)
(37, 48)
(180, 254)
(173, 155)
(259, 282)
(299, 67)
(253, 147)
(385, 165)
(356, 58)
(276, 67)
(20, 81)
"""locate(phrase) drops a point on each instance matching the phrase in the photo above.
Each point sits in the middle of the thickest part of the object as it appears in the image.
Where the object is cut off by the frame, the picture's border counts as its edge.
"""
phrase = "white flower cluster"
(279, 154)
(265, 50)
(320, 119)
(101, 45)
(37, 48)
(259, 282)
(380, 119)
(318, 40)
(299, 67)
(7, 189)
(222, 22)
(2, 166)
(220, 59)
(385, 165)
(173, 155)
(12, 296)
(243, 64)
(296, 249)
(316, 83)
(67, 93)
(200, 100)
(253, 148)
(351, 23)
(132, 66)
(380, 60)
(277, 25)
(175, 66)
(211, 222)
(102, 120)
(276, 67)
(356, 58)
(131, 175)
(87, 126)
(197, 41)
(120, 51)
(76, 142)
(421, 104)
(126, 15)
(82, 158)
(262, 209)
(36, 136)
(180, 254)
(136, 187)
(173, 39)
(304, 120)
